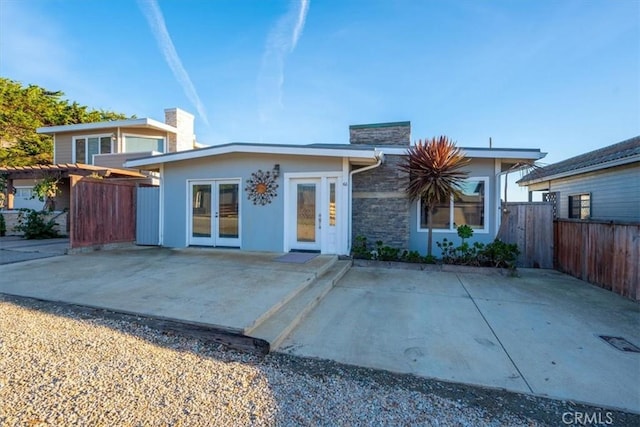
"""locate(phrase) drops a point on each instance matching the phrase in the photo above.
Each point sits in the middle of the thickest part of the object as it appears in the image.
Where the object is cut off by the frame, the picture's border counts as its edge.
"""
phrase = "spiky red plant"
(435, 174)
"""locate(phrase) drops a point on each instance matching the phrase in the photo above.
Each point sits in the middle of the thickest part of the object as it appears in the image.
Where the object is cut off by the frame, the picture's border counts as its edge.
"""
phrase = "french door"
(214, 213)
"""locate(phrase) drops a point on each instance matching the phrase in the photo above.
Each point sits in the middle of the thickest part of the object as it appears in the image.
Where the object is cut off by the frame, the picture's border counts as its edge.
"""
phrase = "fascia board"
(145, 122)
(514, 153)
(253, 149)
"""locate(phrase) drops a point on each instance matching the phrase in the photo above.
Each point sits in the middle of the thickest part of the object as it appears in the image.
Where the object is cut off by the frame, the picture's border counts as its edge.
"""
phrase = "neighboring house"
(318, 197)
(603, 184)
(101, 149)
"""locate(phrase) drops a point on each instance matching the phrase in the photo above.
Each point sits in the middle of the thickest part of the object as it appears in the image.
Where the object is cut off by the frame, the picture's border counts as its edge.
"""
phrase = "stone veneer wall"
(380, 209)
(397, 133)
(183, 121)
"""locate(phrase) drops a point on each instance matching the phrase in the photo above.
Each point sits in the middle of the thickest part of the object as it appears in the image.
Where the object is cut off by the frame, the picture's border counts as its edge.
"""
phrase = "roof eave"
(153, 162)
(140, 123)
(593, 168)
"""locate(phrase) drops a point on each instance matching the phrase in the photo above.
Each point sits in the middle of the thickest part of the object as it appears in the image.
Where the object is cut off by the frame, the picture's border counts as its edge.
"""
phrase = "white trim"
(300, 150)
(481, 153)
(487, 198)
(86, 147)
(161, 207)
(144, 123)
(124, 141)
(54, 150)
(497, 169)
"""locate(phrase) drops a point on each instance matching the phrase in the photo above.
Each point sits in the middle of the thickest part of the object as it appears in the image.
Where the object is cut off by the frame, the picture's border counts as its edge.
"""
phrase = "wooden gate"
(148, 216)
(102, 212)
(530, 226)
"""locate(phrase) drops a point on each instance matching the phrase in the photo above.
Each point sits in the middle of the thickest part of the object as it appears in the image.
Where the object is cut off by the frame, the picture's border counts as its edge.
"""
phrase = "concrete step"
(278, 326)
(319, 265)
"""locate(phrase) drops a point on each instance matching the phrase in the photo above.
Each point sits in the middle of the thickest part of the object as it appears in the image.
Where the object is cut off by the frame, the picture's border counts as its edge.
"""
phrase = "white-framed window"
(143, 143)
(470, 208)
(86, 146)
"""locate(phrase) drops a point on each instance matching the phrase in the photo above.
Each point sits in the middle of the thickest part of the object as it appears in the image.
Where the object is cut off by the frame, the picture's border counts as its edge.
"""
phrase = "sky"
(559, 75)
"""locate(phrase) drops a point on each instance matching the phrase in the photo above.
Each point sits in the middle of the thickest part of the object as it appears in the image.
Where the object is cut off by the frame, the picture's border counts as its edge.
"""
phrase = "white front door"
(313, 214)
(307, 215)
(214, 213)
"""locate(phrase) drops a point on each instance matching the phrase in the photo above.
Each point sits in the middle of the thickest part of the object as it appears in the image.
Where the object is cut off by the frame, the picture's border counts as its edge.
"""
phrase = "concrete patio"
(538, 333)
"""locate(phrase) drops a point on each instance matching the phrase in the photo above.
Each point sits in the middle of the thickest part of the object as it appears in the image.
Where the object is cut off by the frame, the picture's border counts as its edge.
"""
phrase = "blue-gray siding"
(615, 193)
(262, 227)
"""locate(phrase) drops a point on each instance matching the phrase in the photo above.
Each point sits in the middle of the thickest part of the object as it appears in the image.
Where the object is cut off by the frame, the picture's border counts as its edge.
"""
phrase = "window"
(580, 206)
(85, 147)
(23, 192)
(137, 144)
(468, 208)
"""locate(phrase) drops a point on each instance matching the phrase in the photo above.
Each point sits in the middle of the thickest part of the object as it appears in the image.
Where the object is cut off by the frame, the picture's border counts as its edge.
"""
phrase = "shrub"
(385, 253)
(360, 249)
(35, 225)
(500, 254)
(3, 226)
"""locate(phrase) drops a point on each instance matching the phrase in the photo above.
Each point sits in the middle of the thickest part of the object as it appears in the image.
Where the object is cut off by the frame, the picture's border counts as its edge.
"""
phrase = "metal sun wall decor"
(262, 186)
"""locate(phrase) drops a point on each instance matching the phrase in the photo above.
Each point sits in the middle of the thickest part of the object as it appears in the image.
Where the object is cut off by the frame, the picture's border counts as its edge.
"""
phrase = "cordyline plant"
(435, 175)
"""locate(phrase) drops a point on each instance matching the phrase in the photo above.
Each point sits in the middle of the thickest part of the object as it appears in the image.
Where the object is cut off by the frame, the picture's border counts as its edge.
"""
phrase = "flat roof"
(139, 123)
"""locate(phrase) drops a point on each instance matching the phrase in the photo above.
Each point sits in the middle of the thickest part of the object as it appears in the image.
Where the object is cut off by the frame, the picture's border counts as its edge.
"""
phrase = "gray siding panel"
(148, 216)
(615, 193)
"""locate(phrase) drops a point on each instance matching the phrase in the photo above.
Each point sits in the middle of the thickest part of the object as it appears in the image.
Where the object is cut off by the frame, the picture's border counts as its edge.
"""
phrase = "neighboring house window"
(580, 206)
(86, 146)
(468, 208)
(137, 144)
(23, 192)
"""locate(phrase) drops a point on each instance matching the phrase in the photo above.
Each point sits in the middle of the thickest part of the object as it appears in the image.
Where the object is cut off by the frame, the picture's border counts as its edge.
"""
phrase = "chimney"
(183, 121)
(395, 133)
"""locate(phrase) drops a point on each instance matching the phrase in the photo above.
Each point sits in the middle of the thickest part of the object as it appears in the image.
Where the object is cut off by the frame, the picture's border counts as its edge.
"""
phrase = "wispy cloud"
(152, 12)
(281, 41)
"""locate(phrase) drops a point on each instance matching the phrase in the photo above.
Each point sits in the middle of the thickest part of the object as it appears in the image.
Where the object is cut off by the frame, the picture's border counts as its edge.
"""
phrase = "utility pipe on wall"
(378, 155)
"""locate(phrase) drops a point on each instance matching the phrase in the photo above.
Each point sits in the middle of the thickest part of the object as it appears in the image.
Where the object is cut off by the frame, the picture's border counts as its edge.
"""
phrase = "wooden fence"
(102, 212)
(530, 226)
(603, 253)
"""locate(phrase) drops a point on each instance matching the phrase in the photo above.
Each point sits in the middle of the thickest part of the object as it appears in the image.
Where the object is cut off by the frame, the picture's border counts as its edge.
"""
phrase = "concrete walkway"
(226, 289)
(538, 333)
(17, 249)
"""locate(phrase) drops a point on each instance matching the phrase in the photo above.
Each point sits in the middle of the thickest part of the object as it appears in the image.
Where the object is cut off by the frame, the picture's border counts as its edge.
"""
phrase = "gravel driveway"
(60, 366)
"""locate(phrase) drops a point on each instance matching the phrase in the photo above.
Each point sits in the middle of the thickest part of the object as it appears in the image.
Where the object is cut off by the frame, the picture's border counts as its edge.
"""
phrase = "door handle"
(319, 221)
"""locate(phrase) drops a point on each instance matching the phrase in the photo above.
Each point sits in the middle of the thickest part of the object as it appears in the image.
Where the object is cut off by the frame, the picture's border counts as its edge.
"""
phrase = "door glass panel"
(332, 204)
(228, 211)
(80, 151)
(306, 213)
(201, 211)
(93, 147)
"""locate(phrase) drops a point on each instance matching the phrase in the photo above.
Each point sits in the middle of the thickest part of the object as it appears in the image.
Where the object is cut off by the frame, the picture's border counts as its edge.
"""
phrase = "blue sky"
(561, 75)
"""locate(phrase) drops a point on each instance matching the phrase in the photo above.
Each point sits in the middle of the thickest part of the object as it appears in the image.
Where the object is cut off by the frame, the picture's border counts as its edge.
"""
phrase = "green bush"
(360, 249)
(500, 254)
(385, 253)
(34, 225)
(3, 226)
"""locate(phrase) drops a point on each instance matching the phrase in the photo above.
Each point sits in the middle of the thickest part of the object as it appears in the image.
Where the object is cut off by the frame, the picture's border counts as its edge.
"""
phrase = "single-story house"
(603, 184)
(317, 197)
